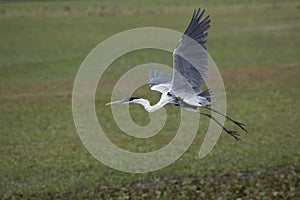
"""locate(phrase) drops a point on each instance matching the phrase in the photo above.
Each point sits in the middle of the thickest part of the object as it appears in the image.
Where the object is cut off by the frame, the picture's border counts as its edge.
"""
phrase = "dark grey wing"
(160, 81)
(191, 58)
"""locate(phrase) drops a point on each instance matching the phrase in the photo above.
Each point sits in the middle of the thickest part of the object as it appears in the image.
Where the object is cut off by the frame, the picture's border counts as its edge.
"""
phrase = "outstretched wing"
(191, 58)
(160, 81)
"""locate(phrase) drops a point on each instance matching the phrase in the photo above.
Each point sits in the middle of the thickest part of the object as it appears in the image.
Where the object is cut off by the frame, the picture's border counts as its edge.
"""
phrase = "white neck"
(150, 108)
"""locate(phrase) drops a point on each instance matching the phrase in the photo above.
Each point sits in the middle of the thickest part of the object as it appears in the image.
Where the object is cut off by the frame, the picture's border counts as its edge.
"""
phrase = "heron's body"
(167, 98)
(184, 87)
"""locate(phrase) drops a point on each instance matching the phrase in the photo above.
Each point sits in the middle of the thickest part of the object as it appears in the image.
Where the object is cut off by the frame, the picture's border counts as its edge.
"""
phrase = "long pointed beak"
(110, 103)
(122, 101)
(115, 102)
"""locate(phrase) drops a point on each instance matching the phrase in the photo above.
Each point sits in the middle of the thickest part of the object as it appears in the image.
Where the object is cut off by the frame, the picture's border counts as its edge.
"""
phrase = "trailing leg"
(239, 124)
(232, 133)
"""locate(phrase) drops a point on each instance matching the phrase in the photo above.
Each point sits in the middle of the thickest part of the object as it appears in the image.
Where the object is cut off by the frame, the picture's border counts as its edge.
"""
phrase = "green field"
(256, 45)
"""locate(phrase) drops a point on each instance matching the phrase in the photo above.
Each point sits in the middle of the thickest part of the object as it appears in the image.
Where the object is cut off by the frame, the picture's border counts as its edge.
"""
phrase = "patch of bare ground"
(256, 75)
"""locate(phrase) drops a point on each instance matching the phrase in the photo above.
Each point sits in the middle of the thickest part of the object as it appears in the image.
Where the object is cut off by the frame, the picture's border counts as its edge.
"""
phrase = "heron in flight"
(183, 88)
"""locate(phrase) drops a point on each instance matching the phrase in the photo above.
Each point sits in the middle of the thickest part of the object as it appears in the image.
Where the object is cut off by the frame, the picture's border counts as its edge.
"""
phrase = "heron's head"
(123, 101)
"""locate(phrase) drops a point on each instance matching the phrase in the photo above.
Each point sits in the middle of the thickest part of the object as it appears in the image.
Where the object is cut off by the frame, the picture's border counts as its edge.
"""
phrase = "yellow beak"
(113, 102)
(107, 104)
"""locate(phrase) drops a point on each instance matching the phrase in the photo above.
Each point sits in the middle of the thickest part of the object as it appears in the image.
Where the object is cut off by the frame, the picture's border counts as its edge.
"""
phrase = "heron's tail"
(205, 98)
(207, 94)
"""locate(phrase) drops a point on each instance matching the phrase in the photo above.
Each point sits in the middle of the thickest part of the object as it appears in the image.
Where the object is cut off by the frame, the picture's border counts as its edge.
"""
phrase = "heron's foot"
(234, 134)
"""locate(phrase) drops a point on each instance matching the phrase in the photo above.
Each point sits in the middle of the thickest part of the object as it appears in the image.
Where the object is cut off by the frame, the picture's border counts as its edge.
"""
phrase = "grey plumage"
(190, 60)
(160, 81)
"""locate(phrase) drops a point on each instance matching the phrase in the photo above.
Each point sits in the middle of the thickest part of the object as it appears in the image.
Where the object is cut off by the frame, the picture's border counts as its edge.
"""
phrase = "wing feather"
(191, 58)
(160, 81)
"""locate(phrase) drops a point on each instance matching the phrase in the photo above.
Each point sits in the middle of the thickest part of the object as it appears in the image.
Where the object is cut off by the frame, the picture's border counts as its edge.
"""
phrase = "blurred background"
(42, 44)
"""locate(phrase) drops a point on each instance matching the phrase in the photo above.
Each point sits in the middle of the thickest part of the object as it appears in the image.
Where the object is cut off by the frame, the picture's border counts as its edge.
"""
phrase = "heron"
(190, 66)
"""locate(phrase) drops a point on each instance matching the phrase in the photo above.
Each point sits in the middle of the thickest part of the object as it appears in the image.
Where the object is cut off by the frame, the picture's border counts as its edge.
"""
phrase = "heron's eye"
(169, 94)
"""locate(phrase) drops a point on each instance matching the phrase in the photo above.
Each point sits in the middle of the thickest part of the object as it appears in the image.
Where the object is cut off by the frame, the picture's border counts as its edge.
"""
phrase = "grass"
(256, 47)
